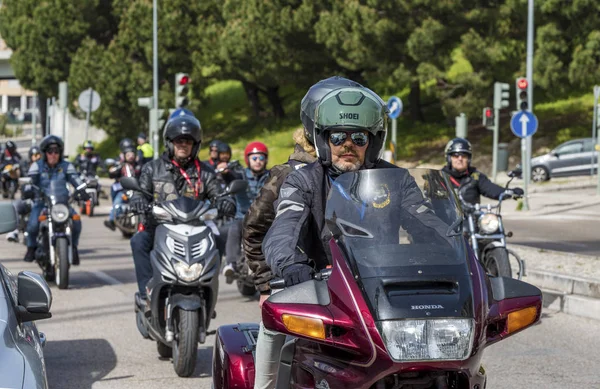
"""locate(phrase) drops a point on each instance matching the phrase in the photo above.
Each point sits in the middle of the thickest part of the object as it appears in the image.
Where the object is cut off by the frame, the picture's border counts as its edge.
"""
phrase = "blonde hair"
(300, 139)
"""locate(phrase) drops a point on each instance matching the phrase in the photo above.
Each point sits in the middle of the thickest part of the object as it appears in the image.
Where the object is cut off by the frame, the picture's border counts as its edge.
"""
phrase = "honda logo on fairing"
(420, 307)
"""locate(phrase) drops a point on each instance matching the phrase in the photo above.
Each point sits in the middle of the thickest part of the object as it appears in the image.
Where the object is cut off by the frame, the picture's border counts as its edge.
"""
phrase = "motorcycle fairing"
(185, 209)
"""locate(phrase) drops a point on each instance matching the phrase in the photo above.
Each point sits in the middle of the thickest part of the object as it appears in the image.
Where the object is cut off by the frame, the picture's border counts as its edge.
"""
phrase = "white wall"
(75, 131)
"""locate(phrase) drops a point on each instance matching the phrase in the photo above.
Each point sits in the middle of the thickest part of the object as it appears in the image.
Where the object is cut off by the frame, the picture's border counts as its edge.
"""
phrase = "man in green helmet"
(350, 126)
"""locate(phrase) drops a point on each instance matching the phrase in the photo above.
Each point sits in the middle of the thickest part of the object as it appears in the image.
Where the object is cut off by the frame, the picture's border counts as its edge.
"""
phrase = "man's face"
(224, 157)
(52, 156)
(257, 162)
(460, 161)
(214, 154)
(348, 149)
(130, 156)
(182, 147)
(88, 151)
(141, 141)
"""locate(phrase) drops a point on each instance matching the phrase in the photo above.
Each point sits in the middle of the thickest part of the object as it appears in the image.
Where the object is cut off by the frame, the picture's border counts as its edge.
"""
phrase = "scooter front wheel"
(185, 344)
(62, 263)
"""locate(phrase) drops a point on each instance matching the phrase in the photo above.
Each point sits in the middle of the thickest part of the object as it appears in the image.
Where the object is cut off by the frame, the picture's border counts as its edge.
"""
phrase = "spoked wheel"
(496, 262)
(539, 174)
(163, 350)
(61, 266)
(185, 345)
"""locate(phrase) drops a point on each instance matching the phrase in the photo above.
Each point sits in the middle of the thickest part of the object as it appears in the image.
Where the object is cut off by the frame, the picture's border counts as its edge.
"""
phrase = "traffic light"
(501, 95)
(488, 117)
(521, 94)
(181, 89)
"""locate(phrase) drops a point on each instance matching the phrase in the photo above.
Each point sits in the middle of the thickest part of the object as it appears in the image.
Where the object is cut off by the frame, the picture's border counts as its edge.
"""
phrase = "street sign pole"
(88, 114)
(34, 120)
(597, 133)
(529, 71)
(524, 124)
(394, 138)
(595, 126)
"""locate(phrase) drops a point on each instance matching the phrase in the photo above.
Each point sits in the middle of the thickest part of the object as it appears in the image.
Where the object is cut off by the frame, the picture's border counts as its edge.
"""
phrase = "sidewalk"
(550, 202)
(570, 283)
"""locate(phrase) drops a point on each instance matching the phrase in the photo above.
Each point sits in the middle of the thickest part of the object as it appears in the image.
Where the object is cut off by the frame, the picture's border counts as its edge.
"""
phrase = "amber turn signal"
(520, 319)
(307, 326)
(76, 217)
(42, 217)
(124, 197)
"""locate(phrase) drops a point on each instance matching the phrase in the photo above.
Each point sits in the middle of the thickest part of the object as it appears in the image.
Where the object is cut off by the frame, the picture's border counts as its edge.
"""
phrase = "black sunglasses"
(358, 138)
(53, 151)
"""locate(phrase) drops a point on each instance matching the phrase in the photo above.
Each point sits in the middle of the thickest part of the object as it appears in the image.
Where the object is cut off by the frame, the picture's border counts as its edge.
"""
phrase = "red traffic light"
(489, 113)
(184, 80)
(522, 83)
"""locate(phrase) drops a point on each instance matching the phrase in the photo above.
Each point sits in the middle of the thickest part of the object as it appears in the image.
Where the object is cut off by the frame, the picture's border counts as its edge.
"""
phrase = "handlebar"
(319, 276)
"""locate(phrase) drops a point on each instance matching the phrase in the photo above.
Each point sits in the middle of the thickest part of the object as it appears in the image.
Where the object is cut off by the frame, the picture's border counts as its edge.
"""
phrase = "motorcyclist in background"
(52, 167)
(466, 179)
(23, 206)
(213, 156)
(177, 173)
(256, 155)
(225, 172)
(88, 162)
(10, 156)
(145, 150)
(127, 167)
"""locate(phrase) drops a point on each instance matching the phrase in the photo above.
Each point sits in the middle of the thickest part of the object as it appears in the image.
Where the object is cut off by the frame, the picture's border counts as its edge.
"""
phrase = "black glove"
(138, 205)
(516, 192)
(226, 207)
(297, 273)
(83, 195)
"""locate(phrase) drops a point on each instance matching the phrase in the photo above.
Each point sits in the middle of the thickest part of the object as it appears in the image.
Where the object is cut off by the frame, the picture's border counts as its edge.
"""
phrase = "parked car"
(23, 300)
(572, 158)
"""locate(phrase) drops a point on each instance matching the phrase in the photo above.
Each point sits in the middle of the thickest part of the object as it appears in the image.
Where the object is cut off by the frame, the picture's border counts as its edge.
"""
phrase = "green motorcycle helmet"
(351, 109)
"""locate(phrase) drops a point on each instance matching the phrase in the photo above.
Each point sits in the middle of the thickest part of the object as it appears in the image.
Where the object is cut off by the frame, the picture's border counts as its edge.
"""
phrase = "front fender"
(191, 302)
(492, 245)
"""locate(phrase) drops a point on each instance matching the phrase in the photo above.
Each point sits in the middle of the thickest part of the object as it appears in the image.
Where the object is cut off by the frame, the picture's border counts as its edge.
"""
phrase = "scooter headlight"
(428, 340)
(489, 223)
(187, 272)
(161, 214)
(60, 213)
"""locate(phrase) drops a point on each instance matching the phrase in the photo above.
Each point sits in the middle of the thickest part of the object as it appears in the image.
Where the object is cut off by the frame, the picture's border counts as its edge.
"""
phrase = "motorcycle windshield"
(58, 192)
(401, 233)
(185, 209)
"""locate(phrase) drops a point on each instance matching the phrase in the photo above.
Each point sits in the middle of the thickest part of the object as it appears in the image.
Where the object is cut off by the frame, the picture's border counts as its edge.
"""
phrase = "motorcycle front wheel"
(496, 262)
(185, 345)
(12, 190)
(62, 263)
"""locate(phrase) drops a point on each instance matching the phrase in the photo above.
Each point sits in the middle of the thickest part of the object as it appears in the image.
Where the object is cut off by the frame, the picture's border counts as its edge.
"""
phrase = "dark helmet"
(180, 126)
(313, 97)
(223, 147)
(34, 150)
(88, 145)
(141, 135)
(351, 109)
(458, 145)
(180, 112)
(50, 140)
(126, 145)
(11, 146)
(214, 143)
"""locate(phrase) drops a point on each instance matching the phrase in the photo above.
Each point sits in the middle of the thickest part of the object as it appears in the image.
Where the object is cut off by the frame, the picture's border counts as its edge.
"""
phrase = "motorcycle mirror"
(130, 183)
(236, 186)
(109, 161)
(24, 181)
(8, 218)
(516, 173)
(517, 305)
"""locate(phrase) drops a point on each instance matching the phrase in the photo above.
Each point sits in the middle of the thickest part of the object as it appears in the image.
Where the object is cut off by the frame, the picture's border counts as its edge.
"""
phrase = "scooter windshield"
(396, 222)
(58, 191)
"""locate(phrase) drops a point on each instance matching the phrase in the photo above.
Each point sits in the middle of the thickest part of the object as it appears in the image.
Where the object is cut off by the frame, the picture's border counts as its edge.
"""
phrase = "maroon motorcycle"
(405, 303)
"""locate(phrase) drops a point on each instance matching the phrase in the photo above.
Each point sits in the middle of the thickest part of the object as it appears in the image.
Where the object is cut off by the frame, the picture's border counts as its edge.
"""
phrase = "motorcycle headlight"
(161, 214)
(428, 340)
(60, 213)
(188, 273)
(488, 223)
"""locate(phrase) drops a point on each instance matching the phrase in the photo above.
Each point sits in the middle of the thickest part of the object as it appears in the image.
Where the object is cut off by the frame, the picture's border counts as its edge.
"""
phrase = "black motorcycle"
(487, 235)
(54, 253)
(182, 293)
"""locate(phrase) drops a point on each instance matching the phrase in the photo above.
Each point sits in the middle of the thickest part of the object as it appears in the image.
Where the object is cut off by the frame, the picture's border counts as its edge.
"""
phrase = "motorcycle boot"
(30, 255)
(229, 272)
(110, 225)
(13, 236)
(75, 256)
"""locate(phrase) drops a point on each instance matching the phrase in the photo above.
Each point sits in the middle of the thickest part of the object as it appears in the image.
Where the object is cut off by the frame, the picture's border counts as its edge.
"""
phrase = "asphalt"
(93, 341)
(574, 230)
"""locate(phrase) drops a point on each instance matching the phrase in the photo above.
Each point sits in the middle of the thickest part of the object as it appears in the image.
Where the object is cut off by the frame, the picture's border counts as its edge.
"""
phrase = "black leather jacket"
(164, 180)
(472, 184)
(88, 165)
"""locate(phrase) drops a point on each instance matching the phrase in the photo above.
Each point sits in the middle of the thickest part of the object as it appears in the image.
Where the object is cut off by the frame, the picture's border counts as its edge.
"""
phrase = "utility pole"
(528, 141)
(154, 116)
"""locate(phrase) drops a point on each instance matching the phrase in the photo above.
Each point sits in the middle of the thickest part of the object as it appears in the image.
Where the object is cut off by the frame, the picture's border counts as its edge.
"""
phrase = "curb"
(576, 296)
(558, 188)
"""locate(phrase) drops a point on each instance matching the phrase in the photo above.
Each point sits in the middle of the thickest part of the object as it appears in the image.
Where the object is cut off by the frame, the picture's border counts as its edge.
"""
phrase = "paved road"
(93, 341)
(574, 231)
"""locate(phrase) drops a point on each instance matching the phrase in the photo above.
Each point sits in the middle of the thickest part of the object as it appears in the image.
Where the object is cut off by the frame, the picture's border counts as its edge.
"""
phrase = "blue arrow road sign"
(394, 104)
(524, 124)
